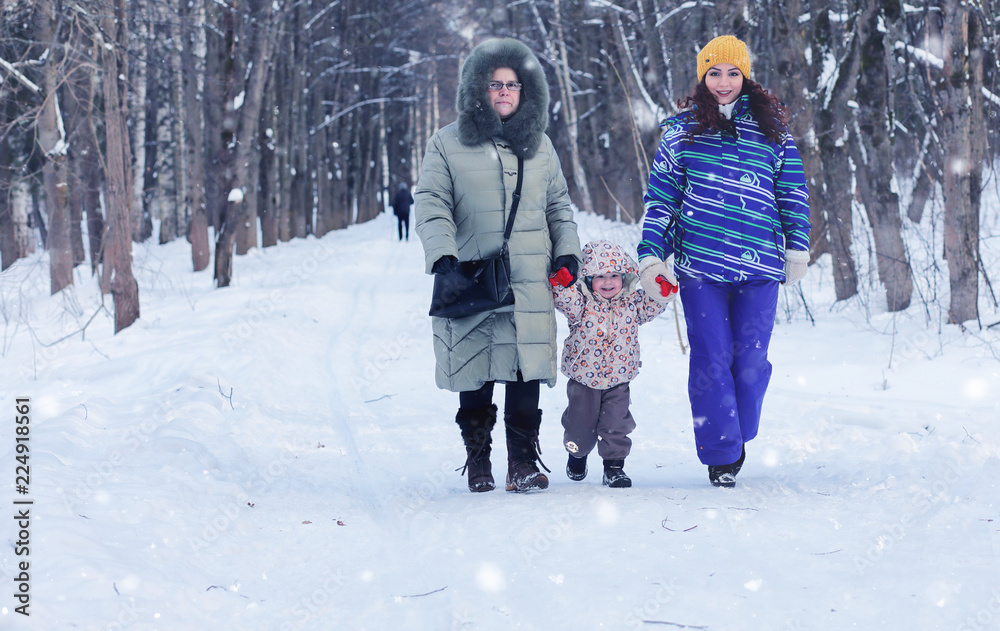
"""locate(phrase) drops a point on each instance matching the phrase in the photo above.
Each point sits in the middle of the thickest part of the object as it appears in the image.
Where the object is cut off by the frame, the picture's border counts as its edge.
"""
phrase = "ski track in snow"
(275, 455)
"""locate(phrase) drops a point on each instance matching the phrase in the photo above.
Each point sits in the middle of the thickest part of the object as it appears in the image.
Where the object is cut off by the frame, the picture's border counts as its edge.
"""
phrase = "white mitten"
(796, 263)
(650, 268)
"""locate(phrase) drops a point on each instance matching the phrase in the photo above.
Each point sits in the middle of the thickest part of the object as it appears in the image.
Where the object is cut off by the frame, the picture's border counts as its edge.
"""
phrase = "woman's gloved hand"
(562, 278)
(445, 265)
(568, 263)
(796, 264)
(651, 270)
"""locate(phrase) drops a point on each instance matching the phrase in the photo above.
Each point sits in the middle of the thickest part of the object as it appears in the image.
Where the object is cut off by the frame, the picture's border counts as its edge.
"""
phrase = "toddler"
(601, 356)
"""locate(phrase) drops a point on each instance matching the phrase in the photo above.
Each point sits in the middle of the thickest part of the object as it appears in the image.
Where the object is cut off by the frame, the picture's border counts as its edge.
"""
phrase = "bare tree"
(138, 115)
(557, 54)
(8, 225)
(959, 94)
(245, 131)
(175, 213)
(52, 141)
(193, 61)
(85, 187)
(16, 147)
(114, 63)
(833, 128)
(872, 153)
(318, 107)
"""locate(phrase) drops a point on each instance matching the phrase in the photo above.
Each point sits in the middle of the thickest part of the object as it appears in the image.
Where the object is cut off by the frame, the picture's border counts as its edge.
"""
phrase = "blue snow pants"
(729, 328)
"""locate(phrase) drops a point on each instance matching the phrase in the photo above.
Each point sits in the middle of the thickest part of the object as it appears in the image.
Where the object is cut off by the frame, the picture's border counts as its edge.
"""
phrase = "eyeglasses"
(496, 86)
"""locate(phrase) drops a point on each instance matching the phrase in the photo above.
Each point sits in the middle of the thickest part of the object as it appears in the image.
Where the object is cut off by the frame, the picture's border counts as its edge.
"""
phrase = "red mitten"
(561, 278)
(666, 288)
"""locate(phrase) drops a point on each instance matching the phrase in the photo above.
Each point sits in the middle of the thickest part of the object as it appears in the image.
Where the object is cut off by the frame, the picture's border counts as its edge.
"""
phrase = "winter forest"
(218, 361)
(240, 124)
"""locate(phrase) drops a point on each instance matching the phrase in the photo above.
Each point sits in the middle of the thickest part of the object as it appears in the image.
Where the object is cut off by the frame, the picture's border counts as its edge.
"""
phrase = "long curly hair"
(771, 114)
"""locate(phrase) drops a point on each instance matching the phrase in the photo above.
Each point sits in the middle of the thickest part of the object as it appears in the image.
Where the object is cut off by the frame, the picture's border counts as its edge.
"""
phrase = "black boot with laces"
(476, 425)
(522, 453)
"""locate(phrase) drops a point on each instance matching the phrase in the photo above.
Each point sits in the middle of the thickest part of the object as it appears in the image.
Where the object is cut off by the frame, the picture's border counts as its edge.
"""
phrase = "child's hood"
(604, 257)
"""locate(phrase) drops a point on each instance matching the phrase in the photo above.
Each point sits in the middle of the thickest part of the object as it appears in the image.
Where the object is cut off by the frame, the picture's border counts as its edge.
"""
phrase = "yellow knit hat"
(724, 49)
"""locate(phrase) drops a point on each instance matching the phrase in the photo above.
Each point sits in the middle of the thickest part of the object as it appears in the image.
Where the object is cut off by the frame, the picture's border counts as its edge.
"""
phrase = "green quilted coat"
(462, 200)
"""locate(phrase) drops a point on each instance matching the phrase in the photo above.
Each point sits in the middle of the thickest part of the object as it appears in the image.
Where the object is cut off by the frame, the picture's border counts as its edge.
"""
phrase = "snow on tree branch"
(933, 60)
(20, 77)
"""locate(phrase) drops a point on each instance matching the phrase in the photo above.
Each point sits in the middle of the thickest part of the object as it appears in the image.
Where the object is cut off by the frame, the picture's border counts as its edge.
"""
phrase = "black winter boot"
(614, 474)
(725, 475)
(476, 425)
(522, 453)
(576, 468)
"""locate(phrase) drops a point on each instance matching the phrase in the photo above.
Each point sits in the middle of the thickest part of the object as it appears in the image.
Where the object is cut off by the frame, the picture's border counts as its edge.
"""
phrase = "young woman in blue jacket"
(727, 218)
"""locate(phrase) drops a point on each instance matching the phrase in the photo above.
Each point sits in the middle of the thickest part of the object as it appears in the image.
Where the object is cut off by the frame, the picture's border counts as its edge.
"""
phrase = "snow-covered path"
(275, 456)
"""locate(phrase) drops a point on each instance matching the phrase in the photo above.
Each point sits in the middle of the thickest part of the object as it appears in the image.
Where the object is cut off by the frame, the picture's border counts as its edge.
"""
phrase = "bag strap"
(514, 204)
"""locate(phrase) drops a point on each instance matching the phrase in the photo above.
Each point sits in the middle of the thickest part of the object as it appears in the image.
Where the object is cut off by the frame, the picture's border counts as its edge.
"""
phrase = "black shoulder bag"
(481, 285)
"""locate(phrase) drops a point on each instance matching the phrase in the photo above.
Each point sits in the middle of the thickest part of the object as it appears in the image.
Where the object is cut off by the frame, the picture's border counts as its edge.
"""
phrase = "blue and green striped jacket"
(726, 207)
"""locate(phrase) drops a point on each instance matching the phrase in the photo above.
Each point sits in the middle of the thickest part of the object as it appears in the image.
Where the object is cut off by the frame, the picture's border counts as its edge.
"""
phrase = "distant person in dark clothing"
(401, 207)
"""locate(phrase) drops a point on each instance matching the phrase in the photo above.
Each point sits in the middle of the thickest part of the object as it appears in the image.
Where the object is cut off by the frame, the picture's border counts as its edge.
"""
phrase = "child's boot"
(576, 468)
(614, 474)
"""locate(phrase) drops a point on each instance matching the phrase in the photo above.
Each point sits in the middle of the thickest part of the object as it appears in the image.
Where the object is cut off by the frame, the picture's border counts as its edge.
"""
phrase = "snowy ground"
(275, 456)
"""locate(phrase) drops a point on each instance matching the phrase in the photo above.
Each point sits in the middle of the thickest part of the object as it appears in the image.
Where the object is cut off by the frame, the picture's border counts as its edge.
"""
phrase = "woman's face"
(607, 285)
(724, 81)
(504, 100)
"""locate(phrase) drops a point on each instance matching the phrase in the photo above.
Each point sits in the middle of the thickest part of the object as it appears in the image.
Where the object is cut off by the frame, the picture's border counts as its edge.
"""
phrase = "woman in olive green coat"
(467, 180)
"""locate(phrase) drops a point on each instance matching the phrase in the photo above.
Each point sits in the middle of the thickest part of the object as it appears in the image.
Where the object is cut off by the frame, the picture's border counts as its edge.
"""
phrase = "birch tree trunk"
(18, 240)
(138, 112)
(124, 288)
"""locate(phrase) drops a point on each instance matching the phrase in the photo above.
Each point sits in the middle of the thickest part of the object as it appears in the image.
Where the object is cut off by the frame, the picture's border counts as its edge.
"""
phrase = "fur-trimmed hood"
(478, 122)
